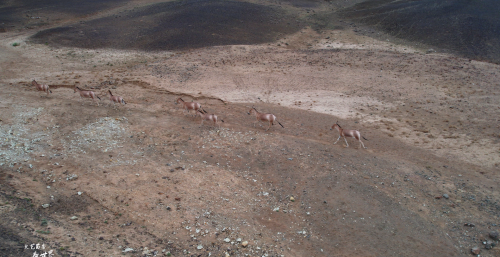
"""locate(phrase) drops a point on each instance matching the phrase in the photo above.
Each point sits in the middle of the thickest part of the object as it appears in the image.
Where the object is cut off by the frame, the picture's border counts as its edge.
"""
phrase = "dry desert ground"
(145, 179)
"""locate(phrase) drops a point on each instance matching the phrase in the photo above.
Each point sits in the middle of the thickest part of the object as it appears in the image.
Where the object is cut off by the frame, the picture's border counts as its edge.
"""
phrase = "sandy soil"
(146, 179)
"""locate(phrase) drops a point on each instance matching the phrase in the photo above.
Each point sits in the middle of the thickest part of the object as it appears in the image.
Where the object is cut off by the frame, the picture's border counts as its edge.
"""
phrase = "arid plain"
(144, 179)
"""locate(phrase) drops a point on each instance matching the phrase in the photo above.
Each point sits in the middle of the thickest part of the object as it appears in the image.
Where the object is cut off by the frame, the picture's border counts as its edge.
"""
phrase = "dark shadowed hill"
(19, 14)
(468, 28)
(177, 25)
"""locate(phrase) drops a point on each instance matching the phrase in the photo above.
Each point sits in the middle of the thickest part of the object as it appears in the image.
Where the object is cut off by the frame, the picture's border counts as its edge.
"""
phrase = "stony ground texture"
(145, 179)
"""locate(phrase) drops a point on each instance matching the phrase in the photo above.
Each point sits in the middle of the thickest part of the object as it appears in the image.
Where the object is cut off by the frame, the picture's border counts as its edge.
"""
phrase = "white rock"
(71, 177)
(45, 205)
(199, 247)
(74, 218)
(227, 240)
(128, 250)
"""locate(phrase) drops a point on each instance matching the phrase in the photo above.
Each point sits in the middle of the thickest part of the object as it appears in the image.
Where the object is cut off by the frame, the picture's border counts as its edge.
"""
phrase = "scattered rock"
(446, 196)
(494, 235)
(292, 199)
(475, 250)
(227, 240)
(72, 177)
(73, 218)
(199, 247)
(469, 225)
(45, 205)
(488, 245)
(244, 244)
(127, 250)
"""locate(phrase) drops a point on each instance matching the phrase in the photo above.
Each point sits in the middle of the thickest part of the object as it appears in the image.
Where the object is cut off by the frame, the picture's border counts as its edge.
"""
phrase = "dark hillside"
(467, 28)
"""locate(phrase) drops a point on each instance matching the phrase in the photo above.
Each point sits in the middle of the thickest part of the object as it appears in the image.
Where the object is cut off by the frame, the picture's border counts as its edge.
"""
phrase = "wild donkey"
(264, 117)
(115, 99)
(87, 94)
(188, 105)
(348, 133)
(40, 87)
(208, 117)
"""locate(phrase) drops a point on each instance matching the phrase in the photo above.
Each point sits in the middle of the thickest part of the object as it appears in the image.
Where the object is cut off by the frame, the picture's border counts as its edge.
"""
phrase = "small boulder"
(146, 251)
(128, 250)
(494, 235)
(475, 250)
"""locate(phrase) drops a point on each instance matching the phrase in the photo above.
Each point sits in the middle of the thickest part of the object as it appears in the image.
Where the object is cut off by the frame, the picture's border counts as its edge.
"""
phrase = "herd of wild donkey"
(266, 117)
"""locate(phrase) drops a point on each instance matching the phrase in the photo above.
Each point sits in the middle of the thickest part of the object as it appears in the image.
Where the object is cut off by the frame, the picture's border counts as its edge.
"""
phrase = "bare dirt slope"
(146, 179)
